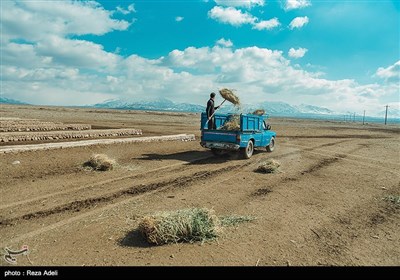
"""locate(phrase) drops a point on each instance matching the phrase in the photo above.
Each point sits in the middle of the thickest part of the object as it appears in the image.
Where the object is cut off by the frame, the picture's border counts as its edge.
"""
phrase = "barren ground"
(326, 207)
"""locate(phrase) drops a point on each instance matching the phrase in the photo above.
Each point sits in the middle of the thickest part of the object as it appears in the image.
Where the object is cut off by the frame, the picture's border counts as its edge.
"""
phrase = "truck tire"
(248, 151)
(271, 145)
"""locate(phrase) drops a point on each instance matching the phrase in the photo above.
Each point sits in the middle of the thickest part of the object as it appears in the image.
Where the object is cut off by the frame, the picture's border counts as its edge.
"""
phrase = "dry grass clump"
(234, 220)
(230, 96)
(259, 112)
(233, 123)
(394, 199)
(186, 225)
(268, 166)
(100, 162)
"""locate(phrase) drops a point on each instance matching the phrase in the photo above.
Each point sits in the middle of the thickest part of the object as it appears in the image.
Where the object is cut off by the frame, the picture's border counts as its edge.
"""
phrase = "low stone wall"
(64, 145)
(13, 125)
(56, 135)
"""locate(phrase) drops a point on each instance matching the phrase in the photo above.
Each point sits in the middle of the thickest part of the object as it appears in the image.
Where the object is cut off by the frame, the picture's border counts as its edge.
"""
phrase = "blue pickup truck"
(252, 131)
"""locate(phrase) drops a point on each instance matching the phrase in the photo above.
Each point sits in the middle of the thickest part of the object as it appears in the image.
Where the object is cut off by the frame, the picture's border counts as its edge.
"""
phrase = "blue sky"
(343, 55)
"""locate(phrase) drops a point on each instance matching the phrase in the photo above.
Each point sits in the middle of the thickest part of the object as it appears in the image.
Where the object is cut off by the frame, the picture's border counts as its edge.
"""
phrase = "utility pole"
(387, 106)
(364, 117)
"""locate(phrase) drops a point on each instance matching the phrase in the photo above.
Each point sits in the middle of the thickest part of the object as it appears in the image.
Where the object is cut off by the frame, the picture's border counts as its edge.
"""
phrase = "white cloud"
(231, 16)
(76, 53)
(300, 52)
(178, 19)
(237, 17)
(240, 3)
(295, 4)
(50, 68)
(390, 74)
(127, 11)
(298, 22)
(188, 75)
(267, 24)
(224, 43)
(35, 20)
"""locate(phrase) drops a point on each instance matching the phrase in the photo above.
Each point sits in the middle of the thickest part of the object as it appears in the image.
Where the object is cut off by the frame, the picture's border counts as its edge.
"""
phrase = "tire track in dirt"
(201, 160)
(78, 205)
(369, 219)
(109, 181)
(314, 168)
(304, 148)
(107, 207)
(343, 136)
(366, 145)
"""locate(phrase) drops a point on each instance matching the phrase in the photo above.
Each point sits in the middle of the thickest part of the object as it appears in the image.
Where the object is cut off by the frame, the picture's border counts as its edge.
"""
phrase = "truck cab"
(249, 132)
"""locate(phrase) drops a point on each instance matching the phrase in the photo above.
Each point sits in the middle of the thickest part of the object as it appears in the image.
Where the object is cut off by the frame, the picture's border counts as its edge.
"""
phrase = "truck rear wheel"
(248, 151)
(271, 145)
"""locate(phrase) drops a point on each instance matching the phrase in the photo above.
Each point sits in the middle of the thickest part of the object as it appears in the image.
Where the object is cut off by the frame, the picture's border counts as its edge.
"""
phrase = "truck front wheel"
(248, 151)
(271, 145)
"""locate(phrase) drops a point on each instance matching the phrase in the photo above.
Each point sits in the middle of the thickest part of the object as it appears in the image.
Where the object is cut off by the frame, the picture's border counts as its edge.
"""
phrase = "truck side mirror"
(268, 127)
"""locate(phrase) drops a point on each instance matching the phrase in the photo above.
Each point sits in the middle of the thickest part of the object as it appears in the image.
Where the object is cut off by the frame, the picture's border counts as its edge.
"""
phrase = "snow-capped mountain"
(150, 104)
(272, 108)
(310, 109)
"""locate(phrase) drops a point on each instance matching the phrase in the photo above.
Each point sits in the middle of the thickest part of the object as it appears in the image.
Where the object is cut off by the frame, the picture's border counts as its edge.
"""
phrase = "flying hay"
(100, 162)
(230, 96)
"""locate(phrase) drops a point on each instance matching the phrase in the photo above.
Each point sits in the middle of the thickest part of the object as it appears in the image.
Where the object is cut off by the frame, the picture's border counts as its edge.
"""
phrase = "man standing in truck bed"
(210, 111)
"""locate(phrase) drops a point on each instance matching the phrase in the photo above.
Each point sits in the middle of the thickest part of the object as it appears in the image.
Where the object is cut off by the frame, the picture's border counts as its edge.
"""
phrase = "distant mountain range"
(151, 104)
(273, 108)
(5, 100)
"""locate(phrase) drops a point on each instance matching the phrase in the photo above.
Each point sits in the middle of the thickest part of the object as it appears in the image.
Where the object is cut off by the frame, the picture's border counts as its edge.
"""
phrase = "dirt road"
(327, 206)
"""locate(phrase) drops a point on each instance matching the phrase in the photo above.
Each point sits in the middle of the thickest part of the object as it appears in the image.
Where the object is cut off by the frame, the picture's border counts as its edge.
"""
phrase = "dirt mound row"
(38, 136)
(22, 125)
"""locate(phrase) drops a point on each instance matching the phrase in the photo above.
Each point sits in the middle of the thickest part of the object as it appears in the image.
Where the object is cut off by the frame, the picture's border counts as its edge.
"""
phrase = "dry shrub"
(259, 112)
(233, 123)
(234, 220)
(268, 166)
(230, 96)
(394, 199)
(187, 225)
(100, 162)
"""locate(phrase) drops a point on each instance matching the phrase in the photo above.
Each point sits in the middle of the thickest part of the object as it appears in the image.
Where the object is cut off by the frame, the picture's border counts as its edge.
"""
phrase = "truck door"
(266, 136)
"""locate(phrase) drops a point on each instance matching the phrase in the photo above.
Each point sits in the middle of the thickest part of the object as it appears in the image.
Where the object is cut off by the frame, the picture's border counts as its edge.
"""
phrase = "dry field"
(330, 204)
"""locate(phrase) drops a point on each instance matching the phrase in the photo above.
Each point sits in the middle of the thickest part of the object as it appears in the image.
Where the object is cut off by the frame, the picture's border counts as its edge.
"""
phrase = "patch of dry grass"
(394, 199)
(100, 162)
(234, 220)
(259, 112)
(268, 166)
(186, 225)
